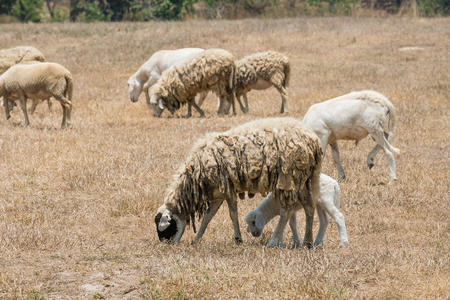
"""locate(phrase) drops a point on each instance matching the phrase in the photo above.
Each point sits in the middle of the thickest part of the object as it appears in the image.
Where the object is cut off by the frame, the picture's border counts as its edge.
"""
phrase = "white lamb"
(37, 81)
(328, 204)
(278, 155)
(149, 73)
(352, 117)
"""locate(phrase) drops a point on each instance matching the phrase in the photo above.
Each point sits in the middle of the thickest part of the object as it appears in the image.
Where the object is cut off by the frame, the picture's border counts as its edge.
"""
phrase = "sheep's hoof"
(308, 245)
(273, 244)
(241, 196)
(187, 116)
(341, 178)
(295, 245)
(251, 195)
(237, 240)
(370, 165)
(8, 117)
(343, 244)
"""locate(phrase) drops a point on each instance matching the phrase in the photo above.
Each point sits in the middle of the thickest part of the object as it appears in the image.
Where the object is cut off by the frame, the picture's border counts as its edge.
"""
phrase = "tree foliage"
(28, 10)
(143, 10)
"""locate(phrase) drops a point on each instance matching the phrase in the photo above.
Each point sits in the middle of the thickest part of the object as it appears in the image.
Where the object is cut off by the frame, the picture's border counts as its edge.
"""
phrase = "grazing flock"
(280, 158)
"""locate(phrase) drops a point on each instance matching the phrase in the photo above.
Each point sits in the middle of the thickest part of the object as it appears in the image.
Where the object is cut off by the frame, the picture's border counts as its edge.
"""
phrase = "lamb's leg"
(276, 240)
(371, 156)
(338, 217)
(212, 210)
(323, 224)
(23, 106)
(233, 210)
(197, 108)
(379, 137)
(337, 160)
(296, 242)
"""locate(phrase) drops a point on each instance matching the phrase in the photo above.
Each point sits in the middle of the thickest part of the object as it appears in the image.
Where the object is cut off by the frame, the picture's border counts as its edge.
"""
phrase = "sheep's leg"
(388, 149)
(147, 98)
(283, 94)
(230, 98)
(323, 224)
(371, 156)
(233, 210)
(210, 213)
(276, 240)
(338, 217)
(189, 112)
(296, 242)
(7, 104)
(67, 109)
(309, 213)
(201, 98)
(337, 160)
(197, 108)
(246, 103)
(34, 103)
(23, 106)
(243, 109)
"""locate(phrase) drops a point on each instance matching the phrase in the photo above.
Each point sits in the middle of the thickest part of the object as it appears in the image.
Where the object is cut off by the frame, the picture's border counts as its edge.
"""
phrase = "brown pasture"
(77, 205)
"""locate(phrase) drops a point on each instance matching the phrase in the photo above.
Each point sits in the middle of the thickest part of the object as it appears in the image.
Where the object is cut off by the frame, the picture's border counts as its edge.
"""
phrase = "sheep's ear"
(165, 221)
(161, 104)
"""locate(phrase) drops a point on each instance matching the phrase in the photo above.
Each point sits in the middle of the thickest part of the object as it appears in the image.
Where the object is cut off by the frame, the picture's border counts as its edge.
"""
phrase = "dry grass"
(77, 206)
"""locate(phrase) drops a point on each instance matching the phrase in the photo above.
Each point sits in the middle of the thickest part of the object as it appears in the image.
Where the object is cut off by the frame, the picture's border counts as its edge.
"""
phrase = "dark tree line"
(142, 10)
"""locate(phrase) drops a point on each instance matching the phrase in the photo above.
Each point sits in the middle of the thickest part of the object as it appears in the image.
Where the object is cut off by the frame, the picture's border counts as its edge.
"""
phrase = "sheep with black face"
(278, 155)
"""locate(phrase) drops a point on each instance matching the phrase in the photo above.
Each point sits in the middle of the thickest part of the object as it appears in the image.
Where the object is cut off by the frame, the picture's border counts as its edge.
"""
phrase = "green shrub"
(28, 10)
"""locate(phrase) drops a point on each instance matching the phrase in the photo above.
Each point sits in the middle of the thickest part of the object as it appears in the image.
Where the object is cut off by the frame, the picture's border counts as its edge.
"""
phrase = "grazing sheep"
(21, 54)
(260, 71)
(212, 70)
(328, 204)
(278, 155)
(149, 73)
(37, 81)
(352, 117)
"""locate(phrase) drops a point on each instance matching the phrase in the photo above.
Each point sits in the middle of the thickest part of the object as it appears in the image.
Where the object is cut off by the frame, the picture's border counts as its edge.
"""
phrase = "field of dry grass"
(77, 205)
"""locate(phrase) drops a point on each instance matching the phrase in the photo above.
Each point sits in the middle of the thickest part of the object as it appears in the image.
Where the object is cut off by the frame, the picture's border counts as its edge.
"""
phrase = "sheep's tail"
(391, 124)
(69, 90)
(287, 73)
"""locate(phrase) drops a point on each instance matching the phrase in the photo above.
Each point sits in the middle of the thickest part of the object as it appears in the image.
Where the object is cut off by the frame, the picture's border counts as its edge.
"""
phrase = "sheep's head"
(255, 223)
(134, 89)
(169, 225)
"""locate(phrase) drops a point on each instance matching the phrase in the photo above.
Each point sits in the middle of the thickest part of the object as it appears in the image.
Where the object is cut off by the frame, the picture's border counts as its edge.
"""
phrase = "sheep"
(21, 54)
(37, 81)
(212, 69)
(260, 71)
(278, 155)
(149, 73)
(328, 204)
(352, 117)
